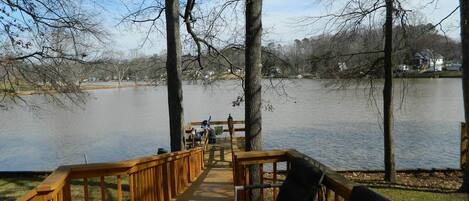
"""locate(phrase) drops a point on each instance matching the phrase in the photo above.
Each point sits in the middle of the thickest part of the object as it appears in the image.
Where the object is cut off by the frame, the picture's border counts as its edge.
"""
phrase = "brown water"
(338, 127)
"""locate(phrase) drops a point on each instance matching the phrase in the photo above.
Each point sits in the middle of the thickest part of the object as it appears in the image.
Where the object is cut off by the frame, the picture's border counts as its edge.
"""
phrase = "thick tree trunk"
(389, 165)
(253, 77)
(173, 69)
(464, 9)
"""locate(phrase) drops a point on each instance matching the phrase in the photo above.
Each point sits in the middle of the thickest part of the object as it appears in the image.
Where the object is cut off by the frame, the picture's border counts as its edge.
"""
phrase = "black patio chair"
(302, 183)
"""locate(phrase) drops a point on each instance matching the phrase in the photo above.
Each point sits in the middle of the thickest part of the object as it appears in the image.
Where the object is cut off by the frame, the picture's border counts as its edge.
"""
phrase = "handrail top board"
(55, 180)
(260, 154)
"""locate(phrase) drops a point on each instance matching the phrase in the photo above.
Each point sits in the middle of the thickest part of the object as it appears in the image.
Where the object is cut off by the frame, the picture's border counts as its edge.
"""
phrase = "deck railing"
(274, 166)
(154, 178)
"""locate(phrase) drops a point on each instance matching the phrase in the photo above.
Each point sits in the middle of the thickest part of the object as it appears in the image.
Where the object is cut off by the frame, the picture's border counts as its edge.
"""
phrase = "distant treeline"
(354, 53)
(359, 52)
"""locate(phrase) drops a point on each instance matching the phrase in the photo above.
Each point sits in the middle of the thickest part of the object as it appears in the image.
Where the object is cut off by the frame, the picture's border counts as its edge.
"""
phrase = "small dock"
(216, 181)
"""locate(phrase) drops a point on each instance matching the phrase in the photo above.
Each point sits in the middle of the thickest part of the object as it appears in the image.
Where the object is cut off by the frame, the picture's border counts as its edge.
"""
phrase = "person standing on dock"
(210, 131)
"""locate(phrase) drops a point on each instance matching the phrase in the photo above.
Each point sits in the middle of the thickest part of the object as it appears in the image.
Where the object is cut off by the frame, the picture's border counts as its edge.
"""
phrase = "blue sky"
(279, 20)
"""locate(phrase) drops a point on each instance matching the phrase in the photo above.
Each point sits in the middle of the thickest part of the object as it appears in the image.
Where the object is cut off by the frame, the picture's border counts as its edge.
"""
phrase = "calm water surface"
(338, 127)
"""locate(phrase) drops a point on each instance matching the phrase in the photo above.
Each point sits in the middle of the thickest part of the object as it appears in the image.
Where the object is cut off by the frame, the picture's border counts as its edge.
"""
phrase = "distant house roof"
(428, 54)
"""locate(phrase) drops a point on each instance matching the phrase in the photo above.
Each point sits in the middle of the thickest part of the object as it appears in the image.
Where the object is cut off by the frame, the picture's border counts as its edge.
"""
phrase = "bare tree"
(389, 164)
(354, 17)
(253, 77)
(40, 42)
(464, 9)
(173, 68)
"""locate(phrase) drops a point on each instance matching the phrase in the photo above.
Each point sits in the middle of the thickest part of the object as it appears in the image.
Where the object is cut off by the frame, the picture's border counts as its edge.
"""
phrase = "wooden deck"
(216, 181)
(202, 173)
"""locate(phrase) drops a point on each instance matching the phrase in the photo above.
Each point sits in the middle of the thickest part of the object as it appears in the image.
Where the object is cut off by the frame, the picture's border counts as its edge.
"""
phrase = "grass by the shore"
(13, 188)
(24, 90)
(410, 195)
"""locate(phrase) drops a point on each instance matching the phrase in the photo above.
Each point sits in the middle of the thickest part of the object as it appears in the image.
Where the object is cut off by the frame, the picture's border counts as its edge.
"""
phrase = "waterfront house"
(428, 60)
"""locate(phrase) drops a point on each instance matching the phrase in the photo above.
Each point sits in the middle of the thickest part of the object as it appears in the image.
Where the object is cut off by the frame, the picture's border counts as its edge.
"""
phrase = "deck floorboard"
(216, 181)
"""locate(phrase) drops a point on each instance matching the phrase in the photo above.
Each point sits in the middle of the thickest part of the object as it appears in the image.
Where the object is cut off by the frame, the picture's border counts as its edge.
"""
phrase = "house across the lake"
(428, 60)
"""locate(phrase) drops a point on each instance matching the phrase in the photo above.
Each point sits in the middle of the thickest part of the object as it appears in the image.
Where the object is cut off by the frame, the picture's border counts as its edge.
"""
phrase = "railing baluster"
(58, 196)
(146, 190)
(190, 168)
(336, 196)
(182, 173)
(132, 187)
(149, 188)
(159, 188)
(173, 178)
(151, 178)
(156, 183)
(180, 177)
(103, 189)
(245, 181)
(85, 188)
(66, 191)
(328, 194)
(141, 185)
(119, 188)
(274, 180)
(144, 185)
(320, 194)
(261, 172)
(167, 188)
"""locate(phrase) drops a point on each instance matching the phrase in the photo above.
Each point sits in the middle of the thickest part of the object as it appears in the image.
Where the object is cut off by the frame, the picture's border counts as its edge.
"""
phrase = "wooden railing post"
(119, 188)
(85, 189)
(103, 188)
(67, 196)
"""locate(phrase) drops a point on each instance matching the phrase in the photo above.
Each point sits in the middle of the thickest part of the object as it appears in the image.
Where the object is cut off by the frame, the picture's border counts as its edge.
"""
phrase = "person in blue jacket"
(210, 131)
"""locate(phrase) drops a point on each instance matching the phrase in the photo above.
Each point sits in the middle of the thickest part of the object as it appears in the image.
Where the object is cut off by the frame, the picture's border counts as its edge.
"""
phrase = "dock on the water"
(204, 172)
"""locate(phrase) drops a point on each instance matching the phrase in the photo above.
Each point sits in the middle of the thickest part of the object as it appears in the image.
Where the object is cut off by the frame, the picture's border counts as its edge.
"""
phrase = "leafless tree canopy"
(43, 43)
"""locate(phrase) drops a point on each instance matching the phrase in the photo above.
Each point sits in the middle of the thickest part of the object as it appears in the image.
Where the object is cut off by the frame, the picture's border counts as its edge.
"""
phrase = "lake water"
(340, 128)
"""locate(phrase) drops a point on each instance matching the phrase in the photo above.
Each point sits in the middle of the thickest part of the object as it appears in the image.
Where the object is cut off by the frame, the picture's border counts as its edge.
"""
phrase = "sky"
(280, 22)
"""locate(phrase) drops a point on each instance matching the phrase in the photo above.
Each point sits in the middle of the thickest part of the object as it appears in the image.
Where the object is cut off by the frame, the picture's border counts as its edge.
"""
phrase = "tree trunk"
(173, 69)
(389, 165)
(253, 77)
(465, 78)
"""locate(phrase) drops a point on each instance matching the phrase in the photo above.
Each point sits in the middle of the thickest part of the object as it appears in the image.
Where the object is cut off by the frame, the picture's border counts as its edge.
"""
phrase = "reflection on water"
(338, 127)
